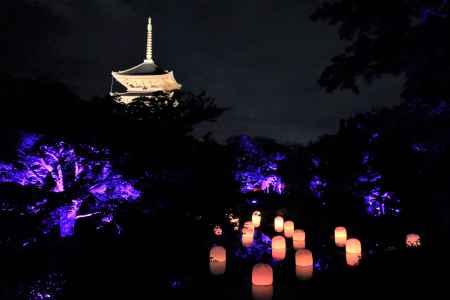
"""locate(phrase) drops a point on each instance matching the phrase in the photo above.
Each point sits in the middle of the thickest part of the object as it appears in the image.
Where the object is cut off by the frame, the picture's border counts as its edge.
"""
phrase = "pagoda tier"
(143, 79)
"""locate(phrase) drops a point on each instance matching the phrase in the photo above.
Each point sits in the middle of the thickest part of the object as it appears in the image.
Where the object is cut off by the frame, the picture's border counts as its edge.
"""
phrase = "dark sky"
(260, 57)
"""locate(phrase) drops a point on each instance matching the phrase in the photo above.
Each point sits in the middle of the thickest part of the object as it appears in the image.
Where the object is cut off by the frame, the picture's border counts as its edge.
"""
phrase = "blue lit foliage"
(48, 288)
(317, 184)
(75, 182)
(369, 186)
(260, 248)
(440, 10)
(257, 170)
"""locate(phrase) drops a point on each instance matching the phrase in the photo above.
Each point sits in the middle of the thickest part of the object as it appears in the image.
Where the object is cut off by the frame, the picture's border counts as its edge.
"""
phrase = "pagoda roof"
(145, 68)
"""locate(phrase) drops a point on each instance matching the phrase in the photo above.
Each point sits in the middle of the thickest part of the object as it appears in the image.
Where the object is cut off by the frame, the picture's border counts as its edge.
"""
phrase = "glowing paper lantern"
(247, 237)
(217, 260)
(278, 248)
(353, 252)
(248, 225)
(304, 258)
(256, 218)
(261, 292)
(279, 224)
(352, 259)
(218, 254)
(340, 236)
(217, 268)
(289, 229)
(353, 246)
(299, 239)
(304, 273)
(262, 274)
(413, 240)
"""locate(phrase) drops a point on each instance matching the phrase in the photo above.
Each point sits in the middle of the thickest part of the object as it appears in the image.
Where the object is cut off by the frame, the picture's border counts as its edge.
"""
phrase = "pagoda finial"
(149, 56)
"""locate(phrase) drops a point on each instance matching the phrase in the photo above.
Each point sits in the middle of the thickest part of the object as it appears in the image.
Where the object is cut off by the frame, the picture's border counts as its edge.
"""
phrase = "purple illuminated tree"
(369, 186)
(256, 170)
(74, 182)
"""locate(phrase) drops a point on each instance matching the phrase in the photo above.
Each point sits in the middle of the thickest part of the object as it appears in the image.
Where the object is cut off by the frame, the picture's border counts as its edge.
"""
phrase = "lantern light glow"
(289, 229)
(299, 239)
(340, 236)
(304, 258)
(413, 240)
(262, 274)
(278, 248)
(256, 218)
(279, 224)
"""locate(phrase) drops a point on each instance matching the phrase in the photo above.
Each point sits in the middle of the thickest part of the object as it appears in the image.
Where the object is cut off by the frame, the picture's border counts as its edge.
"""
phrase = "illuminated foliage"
(257, 170)
(74, 182)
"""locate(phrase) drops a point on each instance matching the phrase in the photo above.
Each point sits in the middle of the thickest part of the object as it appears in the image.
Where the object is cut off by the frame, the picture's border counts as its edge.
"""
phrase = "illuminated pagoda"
(143, 80)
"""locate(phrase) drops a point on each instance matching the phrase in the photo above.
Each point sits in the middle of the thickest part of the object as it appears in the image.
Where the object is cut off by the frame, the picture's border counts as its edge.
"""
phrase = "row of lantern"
(262, 274)
(303, 261)
(353, 249)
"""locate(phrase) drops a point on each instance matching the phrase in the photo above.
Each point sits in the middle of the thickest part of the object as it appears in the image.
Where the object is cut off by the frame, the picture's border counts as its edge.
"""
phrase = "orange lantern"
(299, 239)
(217, 260)
(340, 236)
(353, 252)
(247, 237)
(261, 292)
(278, 248)
(262, 274)
(218, 254)
(352, 259)
(217, 268)
(353, 246)
(289, 229)
(249, 226)
(304, 273)
(413, 240)
(303, 258)
(256, 218)
(279, 224)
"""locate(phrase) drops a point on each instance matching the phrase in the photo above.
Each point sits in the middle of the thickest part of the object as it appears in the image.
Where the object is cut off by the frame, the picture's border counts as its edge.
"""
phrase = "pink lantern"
(278, 248)
(218, 254)
(353, 246)
(262, 274)
(304, 273)
(353, 252)
(217, 260)
(262, 292)
(247, 237)
(299, 239)
(304, 258)
(248, 225)
(289, 229)
(340, 236)
(352, 259)
(413, 240)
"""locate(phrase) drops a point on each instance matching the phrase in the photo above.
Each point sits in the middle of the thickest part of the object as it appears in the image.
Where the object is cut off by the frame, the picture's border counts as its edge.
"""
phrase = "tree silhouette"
(401, 38)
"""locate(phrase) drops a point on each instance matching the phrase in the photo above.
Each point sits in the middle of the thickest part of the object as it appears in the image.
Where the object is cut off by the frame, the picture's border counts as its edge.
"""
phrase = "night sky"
(262, 58)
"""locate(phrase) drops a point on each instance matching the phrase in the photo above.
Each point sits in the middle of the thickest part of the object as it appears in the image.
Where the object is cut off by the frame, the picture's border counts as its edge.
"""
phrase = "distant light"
(413, 240)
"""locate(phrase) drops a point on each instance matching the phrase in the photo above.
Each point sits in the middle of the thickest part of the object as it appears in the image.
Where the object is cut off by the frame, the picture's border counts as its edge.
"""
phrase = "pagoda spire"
(149, 56)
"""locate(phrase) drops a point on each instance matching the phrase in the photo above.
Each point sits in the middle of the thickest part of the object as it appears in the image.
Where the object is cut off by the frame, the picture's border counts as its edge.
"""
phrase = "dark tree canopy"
(407, 38)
